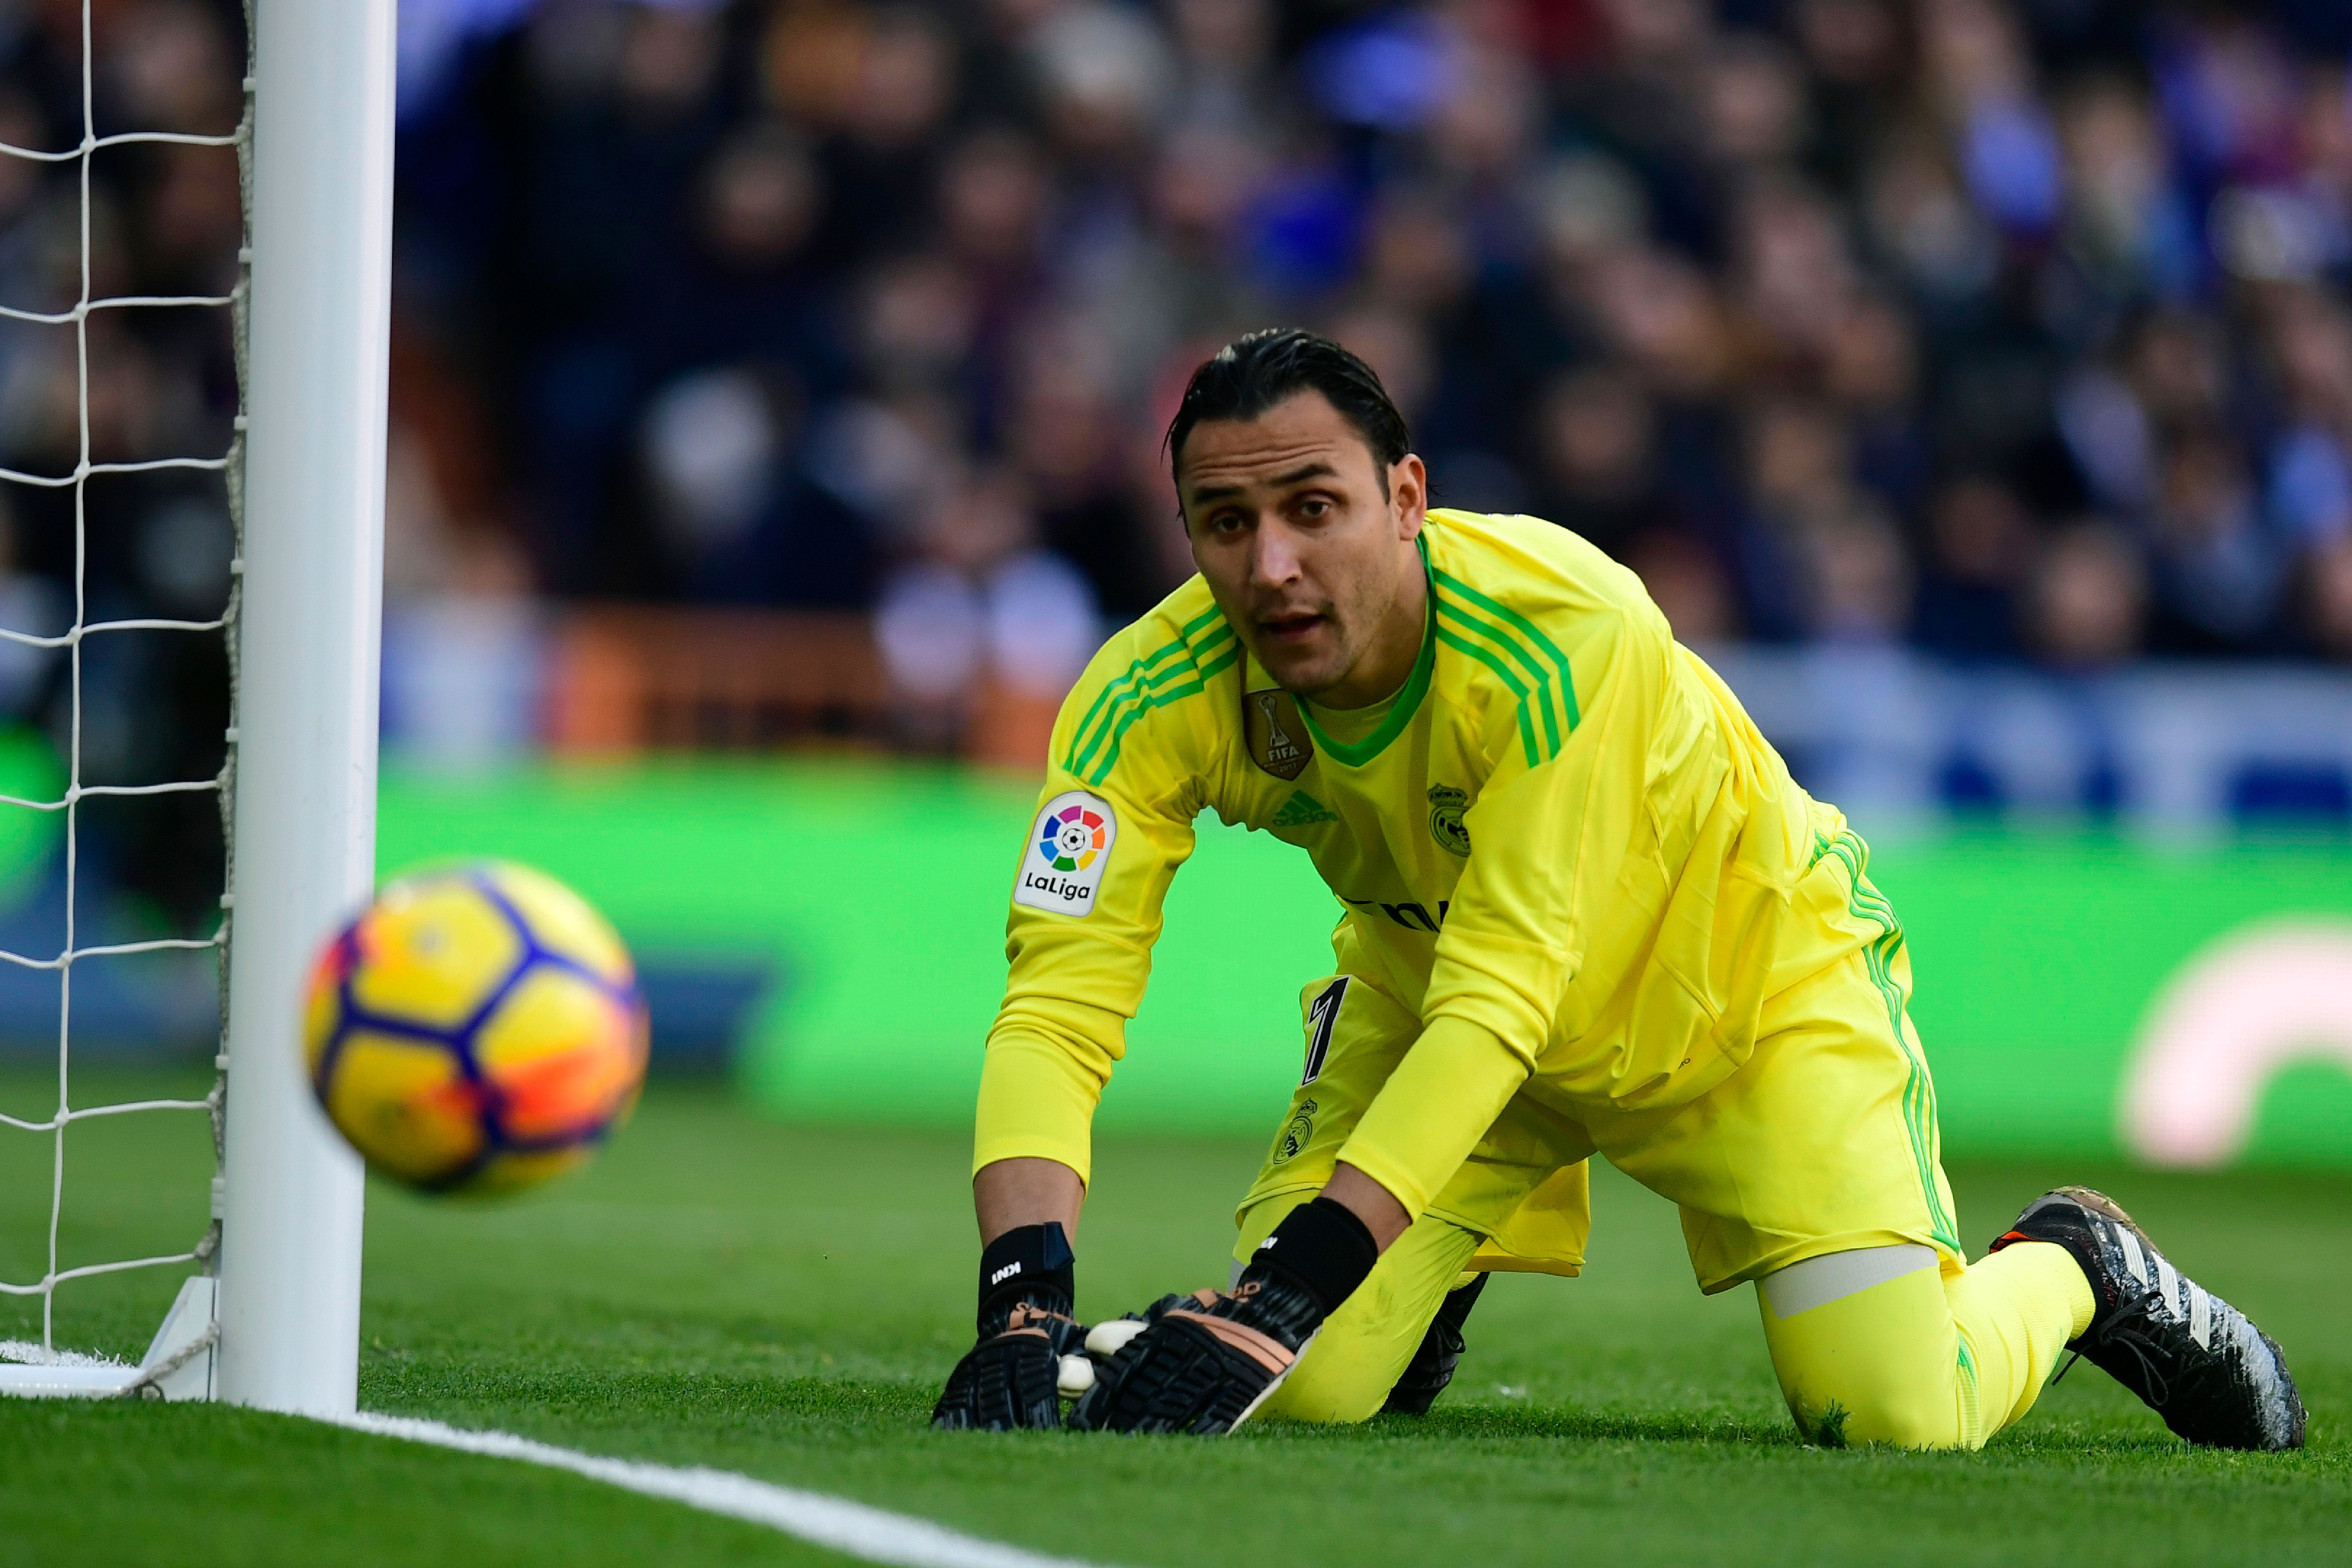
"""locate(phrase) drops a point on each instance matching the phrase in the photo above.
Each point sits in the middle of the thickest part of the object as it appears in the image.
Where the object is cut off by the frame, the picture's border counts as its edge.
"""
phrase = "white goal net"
(180, 1353)
(268, 1313)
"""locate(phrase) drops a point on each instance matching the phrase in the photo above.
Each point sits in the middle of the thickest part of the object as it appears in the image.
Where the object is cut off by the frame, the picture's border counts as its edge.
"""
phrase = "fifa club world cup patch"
(1068, 852)
(1274, 735)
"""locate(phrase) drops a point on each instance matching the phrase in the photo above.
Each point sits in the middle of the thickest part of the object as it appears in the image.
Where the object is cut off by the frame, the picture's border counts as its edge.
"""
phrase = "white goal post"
(302, 844)
(272, 1318)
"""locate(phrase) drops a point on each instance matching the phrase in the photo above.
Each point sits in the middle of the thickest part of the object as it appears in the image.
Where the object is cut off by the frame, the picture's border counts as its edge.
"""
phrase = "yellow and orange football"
(478, 1029)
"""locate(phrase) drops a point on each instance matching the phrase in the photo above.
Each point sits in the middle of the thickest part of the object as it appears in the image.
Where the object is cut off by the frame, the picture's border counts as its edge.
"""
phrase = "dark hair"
(1252, 373)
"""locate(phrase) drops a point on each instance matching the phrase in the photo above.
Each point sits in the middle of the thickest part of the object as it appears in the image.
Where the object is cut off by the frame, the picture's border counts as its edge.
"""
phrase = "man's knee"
(1838, 1415)
(1866, 1352)
(1347, 1374)
(1334, 1383)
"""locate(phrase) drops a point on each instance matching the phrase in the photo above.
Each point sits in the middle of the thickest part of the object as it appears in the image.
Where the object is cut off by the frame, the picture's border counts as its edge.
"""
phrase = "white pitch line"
(25, 1352)
(875, 1535)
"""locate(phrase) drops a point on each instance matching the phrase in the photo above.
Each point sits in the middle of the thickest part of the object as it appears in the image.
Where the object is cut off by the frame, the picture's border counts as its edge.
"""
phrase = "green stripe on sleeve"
(1540, 682)
(1528, 629)
(1137, 681)
(1487, 657)
(1114, 690)
(1199, 676)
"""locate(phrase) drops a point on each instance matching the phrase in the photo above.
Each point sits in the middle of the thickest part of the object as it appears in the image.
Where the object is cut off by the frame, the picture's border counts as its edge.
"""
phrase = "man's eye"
(1314, 507)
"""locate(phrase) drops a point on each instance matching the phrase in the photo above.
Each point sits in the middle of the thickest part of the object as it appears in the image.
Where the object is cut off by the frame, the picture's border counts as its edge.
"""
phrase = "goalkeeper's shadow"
(1515, 1420)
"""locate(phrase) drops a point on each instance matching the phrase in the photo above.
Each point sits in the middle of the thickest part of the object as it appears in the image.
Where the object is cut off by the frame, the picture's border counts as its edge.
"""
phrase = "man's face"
(1308, 552)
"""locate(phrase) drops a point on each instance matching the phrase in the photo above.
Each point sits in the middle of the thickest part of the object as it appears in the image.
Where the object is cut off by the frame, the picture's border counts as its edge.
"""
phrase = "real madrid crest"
(1295, 1132)
(1274, 733)
(1447, 806)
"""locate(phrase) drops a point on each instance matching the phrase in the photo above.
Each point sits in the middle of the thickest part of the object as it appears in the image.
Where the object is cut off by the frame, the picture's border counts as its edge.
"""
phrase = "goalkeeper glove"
(1012, 1377)
(1204, 1364)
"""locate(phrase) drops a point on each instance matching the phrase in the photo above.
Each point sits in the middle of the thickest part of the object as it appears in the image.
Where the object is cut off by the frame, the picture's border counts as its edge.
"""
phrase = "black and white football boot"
(2196, 1359)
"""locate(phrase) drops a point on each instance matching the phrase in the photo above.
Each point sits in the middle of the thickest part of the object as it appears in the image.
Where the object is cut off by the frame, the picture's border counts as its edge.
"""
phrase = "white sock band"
(1817, 1281)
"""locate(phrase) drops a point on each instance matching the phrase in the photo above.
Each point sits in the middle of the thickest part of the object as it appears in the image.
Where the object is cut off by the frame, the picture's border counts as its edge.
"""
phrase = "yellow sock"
(2016, 1309)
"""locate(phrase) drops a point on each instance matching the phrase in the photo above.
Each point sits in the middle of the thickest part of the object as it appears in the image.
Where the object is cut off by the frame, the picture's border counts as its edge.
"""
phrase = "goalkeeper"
(1586, 911)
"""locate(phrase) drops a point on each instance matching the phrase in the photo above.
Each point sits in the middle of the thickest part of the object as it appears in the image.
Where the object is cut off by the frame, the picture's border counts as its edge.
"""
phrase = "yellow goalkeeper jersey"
(1562, 830)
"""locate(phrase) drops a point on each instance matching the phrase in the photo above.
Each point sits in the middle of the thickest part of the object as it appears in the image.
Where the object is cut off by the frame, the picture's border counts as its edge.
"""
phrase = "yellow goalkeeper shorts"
(1522, 1191)
(1824, 1141)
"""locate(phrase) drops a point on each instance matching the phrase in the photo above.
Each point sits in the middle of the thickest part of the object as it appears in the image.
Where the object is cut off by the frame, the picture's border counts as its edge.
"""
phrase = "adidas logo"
(1302, 810)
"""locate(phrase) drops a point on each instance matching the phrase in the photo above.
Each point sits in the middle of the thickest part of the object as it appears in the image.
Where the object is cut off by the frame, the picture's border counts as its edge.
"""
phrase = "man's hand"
(1204, 1364)
(1012, 1377)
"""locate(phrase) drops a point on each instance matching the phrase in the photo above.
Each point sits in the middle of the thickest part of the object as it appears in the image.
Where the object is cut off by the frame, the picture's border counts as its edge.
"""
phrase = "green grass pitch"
(783, 1301)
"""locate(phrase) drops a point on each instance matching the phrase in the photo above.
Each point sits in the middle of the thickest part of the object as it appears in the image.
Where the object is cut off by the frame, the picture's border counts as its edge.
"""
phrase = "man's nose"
(1273, 561)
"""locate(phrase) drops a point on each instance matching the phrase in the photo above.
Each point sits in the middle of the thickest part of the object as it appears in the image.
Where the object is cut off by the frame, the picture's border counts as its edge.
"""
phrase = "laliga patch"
(1068, 852)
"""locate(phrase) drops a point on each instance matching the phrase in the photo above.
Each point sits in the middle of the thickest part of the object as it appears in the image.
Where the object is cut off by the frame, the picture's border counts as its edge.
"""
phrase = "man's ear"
(1408, 495)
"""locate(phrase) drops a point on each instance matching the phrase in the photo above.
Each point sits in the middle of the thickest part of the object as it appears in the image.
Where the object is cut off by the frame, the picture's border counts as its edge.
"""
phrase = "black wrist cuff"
(1032, 1262)
(1322, 1246)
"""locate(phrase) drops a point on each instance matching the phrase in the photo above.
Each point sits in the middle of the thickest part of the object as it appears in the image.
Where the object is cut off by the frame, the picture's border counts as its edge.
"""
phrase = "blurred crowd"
(2006, 331)
(127, 384)
(2009, 333)
(2003, 329)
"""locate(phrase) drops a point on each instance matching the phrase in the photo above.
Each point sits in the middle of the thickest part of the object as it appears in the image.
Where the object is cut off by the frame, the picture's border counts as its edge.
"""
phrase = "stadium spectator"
(1831, 310)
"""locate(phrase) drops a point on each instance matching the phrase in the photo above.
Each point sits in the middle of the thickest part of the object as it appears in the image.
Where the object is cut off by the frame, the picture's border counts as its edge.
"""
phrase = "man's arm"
(1550, 845)
(1113, 823)
(1047, 1060)
(1382, 1217)
(1026, 1191)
